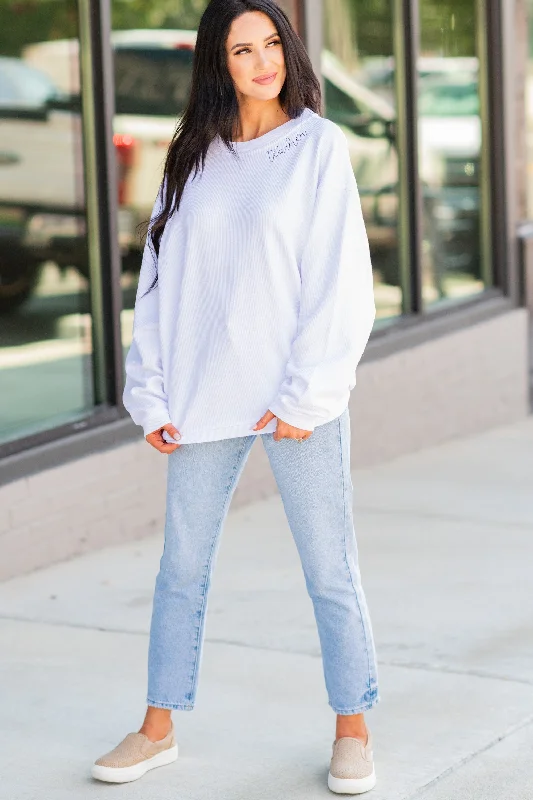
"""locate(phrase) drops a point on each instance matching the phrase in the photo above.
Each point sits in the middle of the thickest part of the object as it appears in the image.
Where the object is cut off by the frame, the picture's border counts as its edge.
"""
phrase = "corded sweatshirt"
(264, 298)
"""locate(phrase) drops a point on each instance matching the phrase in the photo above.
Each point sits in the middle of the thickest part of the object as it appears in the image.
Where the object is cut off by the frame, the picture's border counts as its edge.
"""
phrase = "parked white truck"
(41, 155)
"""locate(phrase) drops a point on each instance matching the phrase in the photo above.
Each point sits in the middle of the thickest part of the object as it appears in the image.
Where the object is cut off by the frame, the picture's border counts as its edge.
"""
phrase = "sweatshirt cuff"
(298, 419)
(155, 422)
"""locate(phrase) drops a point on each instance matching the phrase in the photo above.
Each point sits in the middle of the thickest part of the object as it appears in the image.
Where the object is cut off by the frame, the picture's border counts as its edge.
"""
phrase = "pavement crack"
(421, 790)
(74, 625)
(412, 665)
(473, 673)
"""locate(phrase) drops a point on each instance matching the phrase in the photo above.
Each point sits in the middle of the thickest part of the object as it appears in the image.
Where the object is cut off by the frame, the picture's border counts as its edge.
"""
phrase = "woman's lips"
(266, 78)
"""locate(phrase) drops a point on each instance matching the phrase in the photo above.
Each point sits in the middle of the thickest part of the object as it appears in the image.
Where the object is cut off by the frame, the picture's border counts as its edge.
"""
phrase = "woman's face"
(254, 51)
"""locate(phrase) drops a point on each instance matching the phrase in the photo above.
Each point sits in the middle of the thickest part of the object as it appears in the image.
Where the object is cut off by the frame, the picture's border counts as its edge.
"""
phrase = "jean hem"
(357, 709)
(173, 706)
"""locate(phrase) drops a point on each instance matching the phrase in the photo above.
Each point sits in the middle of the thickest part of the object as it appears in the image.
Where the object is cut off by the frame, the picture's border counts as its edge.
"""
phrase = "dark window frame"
(101, 182)
(97, 103)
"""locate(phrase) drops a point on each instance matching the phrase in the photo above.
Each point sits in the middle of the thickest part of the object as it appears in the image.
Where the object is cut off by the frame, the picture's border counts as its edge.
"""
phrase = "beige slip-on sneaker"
(134, 756)
(352, 766)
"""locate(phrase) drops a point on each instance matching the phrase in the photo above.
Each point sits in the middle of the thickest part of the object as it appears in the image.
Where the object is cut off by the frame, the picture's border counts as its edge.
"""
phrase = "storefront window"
(358, 75)
(45, 322)
(450, 142)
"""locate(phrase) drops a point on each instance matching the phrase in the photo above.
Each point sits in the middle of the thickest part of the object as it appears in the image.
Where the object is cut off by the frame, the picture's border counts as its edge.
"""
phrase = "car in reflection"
(152, 72)
(35, 172)
(41, 158)
(368, 122)
(41, 177)
(449, 144)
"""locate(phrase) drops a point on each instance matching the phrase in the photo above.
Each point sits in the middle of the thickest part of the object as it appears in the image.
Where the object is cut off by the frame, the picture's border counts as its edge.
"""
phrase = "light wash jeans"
(315, 484)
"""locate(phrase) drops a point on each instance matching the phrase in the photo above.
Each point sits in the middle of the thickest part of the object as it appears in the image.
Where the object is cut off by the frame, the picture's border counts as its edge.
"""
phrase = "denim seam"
(206, 574)
(362, 707)
(174, 706)
(343, 469)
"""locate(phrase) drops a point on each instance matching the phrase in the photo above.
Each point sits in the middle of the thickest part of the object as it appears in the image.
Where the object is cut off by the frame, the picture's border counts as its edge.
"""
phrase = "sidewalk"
(446, 550)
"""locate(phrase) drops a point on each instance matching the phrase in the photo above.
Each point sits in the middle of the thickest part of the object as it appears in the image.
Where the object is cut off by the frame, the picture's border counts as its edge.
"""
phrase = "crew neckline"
(276, 133)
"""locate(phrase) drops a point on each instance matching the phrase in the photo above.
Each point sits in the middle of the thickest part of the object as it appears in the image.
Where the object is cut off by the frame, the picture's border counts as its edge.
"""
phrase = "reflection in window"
(153, 54)
(358, 75)
(152, 81)
(450, 142)
(45, 349)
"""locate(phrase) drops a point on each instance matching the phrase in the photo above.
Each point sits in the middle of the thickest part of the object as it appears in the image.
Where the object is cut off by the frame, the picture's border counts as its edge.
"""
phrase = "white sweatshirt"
(264, 298)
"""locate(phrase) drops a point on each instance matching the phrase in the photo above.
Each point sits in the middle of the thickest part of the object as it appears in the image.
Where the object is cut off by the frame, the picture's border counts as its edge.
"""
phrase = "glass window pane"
(45, 322)
(450, 139)
(153, 49)
(358, 74)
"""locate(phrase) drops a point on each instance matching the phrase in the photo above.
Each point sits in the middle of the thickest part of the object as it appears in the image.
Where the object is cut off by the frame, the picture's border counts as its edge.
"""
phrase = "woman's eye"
(247, 49)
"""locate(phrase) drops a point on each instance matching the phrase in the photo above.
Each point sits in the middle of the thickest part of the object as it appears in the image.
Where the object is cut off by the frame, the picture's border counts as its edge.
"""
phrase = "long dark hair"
(212, 107)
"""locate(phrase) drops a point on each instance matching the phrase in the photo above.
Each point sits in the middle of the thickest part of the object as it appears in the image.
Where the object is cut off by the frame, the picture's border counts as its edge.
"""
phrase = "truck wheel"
(386, 262)
(16, 284)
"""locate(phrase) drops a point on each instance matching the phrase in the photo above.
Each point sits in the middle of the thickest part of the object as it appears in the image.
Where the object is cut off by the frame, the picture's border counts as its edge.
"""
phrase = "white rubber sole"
(127, 774)
(351, 785)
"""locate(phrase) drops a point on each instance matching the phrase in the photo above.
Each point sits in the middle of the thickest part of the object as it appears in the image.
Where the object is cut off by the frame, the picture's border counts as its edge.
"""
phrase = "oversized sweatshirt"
(264, 295)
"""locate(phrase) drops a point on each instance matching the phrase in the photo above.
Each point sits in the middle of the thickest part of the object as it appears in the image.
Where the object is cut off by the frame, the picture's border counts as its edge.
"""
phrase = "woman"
(254, 306)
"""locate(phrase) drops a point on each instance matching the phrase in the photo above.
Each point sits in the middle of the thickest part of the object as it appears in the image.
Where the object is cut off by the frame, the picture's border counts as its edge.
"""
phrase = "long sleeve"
(144, 394)
(337, 308)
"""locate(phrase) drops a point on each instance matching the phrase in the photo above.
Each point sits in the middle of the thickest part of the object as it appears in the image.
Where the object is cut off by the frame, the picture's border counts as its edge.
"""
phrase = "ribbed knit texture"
(264, 297)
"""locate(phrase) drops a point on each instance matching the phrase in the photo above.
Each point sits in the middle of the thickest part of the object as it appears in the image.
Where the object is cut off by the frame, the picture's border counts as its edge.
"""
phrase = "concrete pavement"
(446, 550)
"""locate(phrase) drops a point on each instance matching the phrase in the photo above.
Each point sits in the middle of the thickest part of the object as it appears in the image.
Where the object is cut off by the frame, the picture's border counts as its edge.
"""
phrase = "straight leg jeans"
(316, 489)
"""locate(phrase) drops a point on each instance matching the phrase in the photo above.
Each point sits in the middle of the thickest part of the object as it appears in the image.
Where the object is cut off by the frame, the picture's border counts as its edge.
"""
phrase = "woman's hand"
(283, 429)
(156, 438)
